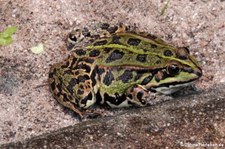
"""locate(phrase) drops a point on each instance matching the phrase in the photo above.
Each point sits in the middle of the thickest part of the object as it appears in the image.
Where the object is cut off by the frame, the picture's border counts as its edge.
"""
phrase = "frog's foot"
(77, 36)
(137, 95)
(76, 110)
(111, 29)
(92, 115)
(118, 28)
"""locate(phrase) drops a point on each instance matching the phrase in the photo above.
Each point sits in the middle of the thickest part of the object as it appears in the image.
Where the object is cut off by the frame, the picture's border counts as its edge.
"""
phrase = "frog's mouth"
(169, 85)
(169, 88)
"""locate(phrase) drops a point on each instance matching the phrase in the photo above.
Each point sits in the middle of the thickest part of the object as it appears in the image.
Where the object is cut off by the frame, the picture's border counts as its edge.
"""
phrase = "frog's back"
(130, 49)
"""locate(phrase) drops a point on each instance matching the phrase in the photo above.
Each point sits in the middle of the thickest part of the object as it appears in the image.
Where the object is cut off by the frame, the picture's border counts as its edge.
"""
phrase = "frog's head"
(179, 71)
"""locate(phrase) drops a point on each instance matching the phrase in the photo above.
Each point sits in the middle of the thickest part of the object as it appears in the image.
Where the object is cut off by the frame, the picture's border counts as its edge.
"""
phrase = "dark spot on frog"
(59, 87)
(58, 94)
(72, 64)
(138, 76)
(108, 78)
(133, 41)
(115, 55)
(98, 97)
(86, 32)
(107, 50)
(80, 52)
(52, 86)
(71, 85)
(83, 78)
(154, 46)
(94, 53)
(101, 42)
(146, 80)
(84, 67)
(167, 53)
(81, 86)
(86, 98)
(100, 71)
(104, 26)
(80, 91)
(77, 72)
(65, 97)
(158, 62)
(112, 29)
(139, 95)
(67, 72)
(126, 76)
(88, 60)
(115, 40)
(115, 100)
(93, 75)
(141, 58)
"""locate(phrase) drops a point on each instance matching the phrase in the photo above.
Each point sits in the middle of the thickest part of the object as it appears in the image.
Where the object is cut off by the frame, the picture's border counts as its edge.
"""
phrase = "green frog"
(120, 69)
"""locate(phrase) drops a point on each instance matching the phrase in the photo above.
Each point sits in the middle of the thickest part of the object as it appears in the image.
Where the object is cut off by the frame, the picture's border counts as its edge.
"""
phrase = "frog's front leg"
(137, 95)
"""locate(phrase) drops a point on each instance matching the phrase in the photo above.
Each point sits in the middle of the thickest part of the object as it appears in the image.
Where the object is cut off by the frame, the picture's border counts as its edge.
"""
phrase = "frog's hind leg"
(77, 37)
(60, 91)
(82, 37)
(72, 86)
(117, 28)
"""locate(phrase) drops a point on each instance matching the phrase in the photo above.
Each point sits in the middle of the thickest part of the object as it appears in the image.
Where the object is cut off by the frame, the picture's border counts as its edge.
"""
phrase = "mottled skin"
(120, 69)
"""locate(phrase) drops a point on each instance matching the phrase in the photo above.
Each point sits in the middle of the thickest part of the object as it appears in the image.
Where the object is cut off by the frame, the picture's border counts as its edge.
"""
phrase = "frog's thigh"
(137, 95)
(61, 93)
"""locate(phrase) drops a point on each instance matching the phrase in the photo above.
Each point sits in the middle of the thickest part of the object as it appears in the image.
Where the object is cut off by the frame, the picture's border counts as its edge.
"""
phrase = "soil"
(31, 118)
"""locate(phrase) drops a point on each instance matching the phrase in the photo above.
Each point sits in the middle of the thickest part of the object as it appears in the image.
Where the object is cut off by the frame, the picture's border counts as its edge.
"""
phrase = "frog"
(120, 68)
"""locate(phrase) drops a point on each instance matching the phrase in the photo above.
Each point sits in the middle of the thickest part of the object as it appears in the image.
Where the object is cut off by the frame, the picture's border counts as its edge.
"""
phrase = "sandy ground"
(28, 109)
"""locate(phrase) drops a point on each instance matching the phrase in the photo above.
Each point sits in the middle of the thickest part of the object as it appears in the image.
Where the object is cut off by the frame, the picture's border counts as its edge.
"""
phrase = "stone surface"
(28, 109)
(183, 122)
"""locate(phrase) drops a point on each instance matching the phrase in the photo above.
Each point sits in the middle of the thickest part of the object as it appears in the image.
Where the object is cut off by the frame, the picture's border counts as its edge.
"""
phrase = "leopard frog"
(121, 70)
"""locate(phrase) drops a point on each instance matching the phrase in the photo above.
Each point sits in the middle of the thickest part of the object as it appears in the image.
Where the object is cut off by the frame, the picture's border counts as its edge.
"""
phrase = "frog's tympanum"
(120, 69)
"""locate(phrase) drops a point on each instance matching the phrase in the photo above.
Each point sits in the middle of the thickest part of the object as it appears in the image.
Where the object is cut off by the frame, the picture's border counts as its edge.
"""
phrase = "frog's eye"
(173, 69)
